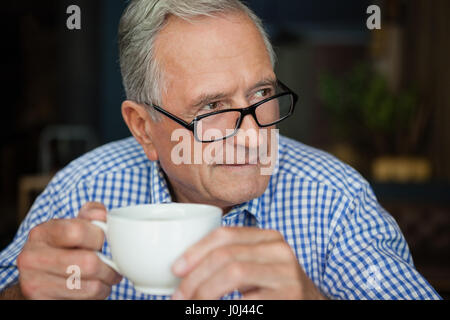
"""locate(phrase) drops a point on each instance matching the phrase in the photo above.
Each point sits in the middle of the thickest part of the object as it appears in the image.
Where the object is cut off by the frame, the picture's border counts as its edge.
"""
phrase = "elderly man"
(311, 229)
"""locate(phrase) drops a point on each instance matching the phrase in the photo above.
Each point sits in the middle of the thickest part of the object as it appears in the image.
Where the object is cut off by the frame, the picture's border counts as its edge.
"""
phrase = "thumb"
(93, 211)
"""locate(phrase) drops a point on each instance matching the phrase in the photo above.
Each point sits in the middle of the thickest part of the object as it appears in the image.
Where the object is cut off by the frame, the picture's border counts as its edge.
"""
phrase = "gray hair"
(138, 29)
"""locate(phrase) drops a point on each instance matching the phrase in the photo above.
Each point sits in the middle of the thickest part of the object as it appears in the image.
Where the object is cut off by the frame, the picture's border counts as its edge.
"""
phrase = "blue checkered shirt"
(345, 241)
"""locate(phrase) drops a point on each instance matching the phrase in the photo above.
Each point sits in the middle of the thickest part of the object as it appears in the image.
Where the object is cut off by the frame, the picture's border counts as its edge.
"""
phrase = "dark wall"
(112, 126)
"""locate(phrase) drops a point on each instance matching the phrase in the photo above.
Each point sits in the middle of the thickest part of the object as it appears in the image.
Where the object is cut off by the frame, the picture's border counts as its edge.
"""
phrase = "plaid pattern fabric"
(345, 241)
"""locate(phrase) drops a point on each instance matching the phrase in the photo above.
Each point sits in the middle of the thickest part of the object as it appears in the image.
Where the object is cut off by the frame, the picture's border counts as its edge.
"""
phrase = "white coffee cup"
(145, 240)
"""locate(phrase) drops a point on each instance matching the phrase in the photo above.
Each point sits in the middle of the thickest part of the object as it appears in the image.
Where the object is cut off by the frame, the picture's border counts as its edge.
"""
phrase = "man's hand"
(257, 262)
(57, 244)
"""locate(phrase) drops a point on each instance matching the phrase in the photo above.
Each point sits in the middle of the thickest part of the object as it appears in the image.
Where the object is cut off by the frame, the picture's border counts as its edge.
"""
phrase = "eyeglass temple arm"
(189, 126)
(290, 91)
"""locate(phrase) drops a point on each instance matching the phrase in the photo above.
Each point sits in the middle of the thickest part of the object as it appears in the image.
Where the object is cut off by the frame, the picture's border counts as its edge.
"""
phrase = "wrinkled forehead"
(211, 51)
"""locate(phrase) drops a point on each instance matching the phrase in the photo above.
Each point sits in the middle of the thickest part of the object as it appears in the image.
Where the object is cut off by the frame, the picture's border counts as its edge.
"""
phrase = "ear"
(140, 123)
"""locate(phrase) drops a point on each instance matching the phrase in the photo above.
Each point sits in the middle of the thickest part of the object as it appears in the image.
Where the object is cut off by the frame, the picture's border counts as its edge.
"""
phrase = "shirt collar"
(253, 207)
(159, 193)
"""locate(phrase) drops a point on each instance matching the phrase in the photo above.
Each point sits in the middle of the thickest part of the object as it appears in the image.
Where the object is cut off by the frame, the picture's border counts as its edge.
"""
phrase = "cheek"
(175, 149)
(166, 136)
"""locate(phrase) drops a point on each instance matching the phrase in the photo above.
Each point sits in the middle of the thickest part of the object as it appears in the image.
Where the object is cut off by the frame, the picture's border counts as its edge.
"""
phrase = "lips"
(238, 166)
(247, 163)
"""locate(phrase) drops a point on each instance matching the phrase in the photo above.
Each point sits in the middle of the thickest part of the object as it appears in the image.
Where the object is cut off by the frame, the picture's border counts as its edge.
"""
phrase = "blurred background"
(377, 99)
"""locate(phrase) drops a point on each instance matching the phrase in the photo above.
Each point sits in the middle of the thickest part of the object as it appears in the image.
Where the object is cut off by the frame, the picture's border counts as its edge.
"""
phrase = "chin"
(235, 189)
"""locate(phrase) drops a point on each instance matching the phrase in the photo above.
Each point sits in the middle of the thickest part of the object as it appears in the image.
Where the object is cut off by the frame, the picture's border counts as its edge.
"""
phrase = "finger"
(93, 211)
(270, 252)
(37, 285)
(69, 233)
(221, 237)
(57, 261)
(237, 276)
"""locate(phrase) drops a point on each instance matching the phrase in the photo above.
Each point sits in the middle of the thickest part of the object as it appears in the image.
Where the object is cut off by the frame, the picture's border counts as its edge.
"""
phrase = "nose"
(248, 122)
(248, 134)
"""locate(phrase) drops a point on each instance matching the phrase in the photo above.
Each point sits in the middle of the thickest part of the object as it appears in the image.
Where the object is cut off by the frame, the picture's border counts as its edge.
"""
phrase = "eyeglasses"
(225, 123)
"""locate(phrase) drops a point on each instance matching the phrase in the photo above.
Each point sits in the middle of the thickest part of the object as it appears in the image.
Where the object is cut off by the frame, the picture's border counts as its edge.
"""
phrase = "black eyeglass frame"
(243, 113)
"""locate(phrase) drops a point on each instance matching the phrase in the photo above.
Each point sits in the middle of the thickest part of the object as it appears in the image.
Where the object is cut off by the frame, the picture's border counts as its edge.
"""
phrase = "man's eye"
(210, 107)
(263, 93)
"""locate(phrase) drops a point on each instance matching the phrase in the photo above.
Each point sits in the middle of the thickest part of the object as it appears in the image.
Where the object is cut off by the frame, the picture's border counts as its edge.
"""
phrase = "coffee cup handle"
(102, 257)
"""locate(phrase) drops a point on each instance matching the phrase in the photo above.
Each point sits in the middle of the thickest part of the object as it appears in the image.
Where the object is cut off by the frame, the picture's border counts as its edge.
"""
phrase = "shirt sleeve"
(50, 204)
(369, 257)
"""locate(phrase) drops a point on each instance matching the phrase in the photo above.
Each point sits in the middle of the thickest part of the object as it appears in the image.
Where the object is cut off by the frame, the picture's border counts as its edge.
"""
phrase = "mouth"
(239, 163)
(239, 166)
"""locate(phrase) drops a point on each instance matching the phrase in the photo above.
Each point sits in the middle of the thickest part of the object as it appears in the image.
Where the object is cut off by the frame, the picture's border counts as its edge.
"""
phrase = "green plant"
(365, 112)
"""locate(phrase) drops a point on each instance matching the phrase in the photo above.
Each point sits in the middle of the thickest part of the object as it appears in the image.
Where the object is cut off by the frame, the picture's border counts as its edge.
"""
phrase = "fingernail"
(177, 295)
(179, 266)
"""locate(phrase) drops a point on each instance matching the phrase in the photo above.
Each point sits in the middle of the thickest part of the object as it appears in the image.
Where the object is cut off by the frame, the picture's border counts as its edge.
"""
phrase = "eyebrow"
(264, 82)
(206, 98)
